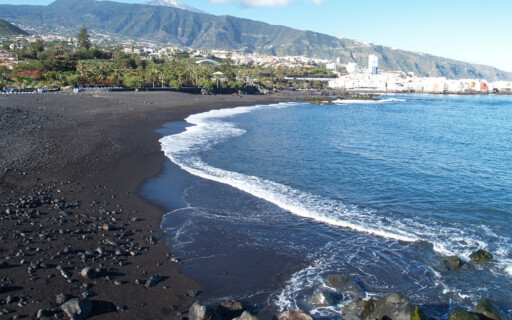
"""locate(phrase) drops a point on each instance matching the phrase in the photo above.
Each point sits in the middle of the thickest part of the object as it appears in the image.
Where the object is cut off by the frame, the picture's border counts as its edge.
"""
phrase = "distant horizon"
(467, 31)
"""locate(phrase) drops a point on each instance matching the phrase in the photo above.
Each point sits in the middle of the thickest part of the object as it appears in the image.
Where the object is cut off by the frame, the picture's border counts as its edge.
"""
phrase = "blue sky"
(473, 31)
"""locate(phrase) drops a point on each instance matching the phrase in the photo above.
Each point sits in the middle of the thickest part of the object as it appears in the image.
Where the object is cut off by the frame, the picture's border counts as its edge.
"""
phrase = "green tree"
(132, 82)
(83, 38)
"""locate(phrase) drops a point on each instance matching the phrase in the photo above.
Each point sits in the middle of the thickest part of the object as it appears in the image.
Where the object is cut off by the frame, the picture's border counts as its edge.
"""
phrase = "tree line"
(54, 65)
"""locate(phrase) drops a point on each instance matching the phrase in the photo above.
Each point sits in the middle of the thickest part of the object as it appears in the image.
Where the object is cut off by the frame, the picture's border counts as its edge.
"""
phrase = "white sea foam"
(354, 101)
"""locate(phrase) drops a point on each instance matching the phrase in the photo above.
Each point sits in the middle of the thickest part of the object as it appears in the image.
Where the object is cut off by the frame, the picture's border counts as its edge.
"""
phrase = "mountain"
(8, 30)
(172, 4)
(173, 26)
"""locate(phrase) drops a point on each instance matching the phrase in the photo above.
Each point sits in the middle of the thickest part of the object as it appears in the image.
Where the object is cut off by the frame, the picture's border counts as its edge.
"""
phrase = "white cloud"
(263, 3)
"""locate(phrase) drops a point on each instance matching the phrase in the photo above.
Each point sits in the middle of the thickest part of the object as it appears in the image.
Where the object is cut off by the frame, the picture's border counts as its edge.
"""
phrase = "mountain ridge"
(173, 26)
(8, 29)
(172, 4)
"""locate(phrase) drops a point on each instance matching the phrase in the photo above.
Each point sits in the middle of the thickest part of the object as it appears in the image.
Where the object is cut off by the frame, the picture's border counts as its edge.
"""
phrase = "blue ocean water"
(381, 191)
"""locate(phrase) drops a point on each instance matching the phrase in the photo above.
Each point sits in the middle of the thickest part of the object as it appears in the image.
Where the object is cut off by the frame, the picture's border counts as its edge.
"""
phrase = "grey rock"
(295, 315)
(111, 242)
(321, 298)
(200, 312)
(462, 315)
(231, 309)
(152, 281)
(108, 227)
(490, 309)
(452, 263)
(88, 273)
(77, 309)
(393, 306)
(192, 293)
(246, 316)
(61, 298)
(43, 313)
(352, 316)
(345, 285)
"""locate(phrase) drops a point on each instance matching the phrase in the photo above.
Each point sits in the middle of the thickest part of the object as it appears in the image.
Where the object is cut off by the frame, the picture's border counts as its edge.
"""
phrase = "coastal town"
(291, 72)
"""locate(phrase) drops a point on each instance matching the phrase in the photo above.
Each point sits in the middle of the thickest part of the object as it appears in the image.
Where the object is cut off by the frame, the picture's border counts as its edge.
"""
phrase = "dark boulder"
(490, 309)
(77, 309)
(452, 263)
(321, 298)
(295, 315)
(88, 273)
(200, 312)
(393, 306)
(462, 315)
(345, 285)
(231, 309)
(480, 256)
(153, 281)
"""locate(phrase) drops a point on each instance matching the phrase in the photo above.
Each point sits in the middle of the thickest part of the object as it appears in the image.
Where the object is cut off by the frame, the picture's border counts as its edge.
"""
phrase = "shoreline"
(89, 155)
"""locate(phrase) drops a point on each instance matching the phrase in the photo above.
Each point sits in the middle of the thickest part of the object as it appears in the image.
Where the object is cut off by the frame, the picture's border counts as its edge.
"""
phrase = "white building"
(331, 66)
(373, 64)
(352, 67)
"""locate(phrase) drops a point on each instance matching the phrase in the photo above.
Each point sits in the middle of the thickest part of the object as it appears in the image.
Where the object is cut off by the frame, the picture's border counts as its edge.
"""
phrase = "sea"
(266, 201)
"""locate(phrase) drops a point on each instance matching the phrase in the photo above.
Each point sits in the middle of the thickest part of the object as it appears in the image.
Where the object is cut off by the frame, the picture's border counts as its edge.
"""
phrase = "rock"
(119, 252)
(393, 306)
(345, 285)
(480, 256)
(490, 310)
(43, 313)
(192, 293)
(231, 309)
(246, 316)
(462, 315)
(88, 273)
(108, 227)
(352, 316)
(77, 309)
(452, 263)
(359, 307)
(199, 312)
(152, 281)
(321, 298)
(61, 298)
(295, 315)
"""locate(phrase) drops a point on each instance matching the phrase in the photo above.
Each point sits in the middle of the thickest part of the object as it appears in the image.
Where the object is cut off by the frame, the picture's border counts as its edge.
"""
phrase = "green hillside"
(203, 31)
(8, 30)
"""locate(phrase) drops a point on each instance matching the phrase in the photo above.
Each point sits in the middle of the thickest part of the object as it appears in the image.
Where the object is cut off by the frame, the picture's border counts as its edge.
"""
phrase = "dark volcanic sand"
(71, 164)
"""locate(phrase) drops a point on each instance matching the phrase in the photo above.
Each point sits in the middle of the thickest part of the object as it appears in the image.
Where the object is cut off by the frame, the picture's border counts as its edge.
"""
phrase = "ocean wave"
(210, 128)
(355, 101)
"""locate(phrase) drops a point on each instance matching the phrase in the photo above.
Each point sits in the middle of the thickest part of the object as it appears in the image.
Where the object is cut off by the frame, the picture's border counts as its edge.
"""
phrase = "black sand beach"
(71, 169)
